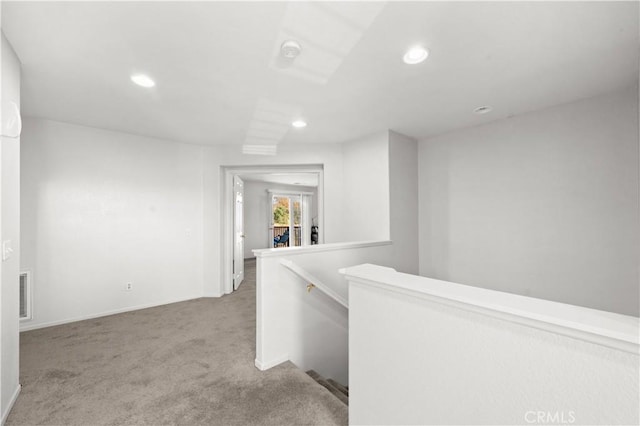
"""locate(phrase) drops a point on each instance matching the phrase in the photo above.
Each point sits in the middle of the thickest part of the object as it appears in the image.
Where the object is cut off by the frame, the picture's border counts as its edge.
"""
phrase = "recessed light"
(143, 80)
(482, 109)
(415, 55)
(299, 124)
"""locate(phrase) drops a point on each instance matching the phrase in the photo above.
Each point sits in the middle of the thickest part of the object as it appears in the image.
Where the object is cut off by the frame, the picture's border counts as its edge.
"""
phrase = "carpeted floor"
(186, 363)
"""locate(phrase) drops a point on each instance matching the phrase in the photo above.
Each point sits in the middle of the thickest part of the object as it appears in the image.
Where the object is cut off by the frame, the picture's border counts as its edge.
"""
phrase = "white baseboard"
(262, 366)
(27, 327)
(12, 401)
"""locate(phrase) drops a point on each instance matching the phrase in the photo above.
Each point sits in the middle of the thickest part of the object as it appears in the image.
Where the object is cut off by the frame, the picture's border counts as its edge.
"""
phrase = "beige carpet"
(185, 363)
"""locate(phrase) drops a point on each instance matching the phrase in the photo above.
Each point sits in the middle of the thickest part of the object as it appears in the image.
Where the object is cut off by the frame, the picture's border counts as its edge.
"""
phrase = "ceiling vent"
(25, 295)
(260, 149)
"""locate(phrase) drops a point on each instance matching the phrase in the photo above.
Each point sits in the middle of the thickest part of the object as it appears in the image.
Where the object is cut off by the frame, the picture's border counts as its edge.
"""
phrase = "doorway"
(297, 190)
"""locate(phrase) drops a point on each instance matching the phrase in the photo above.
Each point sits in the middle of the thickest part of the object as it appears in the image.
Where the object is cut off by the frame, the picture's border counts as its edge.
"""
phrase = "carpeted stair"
(340, 392)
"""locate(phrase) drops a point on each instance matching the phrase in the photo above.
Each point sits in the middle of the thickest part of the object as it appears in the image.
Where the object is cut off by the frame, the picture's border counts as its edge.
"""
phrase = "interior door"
(238, 232)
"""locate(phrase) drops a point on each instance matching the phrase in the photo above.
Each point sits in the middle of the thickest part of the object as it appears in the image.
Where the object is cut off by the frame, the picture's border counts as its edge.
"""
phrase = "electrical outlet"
(128, 287)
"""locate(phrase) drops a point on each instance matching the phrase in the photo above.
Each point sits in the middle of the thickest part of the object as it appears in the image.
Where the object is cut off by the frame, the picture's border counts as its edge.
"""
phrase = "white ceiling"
(220, 81)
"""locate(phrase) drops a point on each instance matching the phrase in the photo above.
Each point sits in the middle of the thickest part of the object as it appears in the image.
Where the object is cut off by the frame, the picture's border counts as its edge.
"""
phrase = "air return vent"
(25, 295)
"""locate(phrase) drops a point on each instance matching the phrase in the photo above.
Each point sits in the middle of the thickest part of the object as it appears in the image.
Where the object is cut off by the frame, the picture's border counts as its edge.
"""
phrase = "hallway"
(185, 363)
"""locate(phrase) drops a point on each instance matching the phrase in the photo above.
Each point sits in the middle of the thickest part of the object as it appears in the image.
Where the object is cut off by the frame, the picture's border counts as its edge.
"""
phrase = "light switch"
(7, 251)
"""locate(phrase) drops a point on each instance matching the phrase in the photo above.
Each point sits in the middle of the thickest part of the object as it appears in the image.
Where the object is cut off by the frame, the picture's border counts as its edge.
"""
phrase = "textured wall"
(365, 187)
(403, 201)
(101, 209)
(542, 204)
(453, 366)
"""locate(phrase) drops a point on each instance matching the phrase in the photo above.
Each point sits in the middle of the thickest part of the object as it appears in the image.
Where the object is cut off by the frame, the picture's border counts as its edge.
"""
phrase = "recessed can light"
(482, 109)
(299, 124)
(143, 80)
(415, 55)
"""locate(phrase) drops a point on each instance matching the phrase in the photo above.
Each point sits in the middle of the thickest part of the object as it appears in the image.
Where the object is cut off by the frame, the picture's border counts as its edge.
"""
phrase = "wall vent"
(25, 295)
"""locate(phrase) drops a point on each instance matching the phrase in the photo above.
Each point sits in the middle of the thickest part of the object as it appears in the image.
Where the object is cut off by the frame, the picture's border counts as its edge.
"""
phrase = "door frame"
(227, 202)
(238, 182)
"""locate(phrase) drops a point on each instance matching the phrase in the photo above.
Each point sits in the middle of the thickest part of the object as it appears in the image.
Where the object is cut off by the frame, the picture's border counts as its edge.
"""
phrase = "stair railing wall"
(314, 282)
(456, 354)
(309, 329)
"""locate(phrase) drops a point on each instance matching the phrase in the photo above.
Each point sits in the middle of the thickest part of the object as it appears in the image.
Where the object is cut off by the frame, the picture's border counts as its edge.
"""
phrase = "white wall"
(403, 201)
(365, 187)
(106, 208)
(379, 194)
(257, 204)
(118, 208)
(461, 355)
(308, 328)
(9, 230)
(100, 209)
(542, 204)
(380, 189)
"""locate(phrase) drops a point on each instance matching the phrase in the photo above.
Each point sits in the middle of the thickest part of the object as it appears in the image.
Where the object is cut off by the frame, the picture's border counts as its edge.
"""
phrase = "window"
(290, 219)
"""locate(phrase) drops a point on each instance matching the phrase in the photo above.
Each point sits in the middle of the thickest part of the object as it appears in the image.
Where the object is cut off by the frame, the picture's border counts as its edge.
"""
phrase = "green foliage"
(281, 211)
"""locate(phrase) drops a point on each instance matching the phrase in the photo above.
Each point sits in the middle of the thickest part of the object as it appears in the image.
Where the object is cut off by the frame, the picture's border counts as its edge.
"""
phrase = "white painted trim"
(320, 199)
(226, 208)
(262, 366)
(288, 192)
(28, 327)
(12, 402)
(309, 278)
(226, 231)
(203, 272)
(291, 251)
(14, 121)
(608, 329)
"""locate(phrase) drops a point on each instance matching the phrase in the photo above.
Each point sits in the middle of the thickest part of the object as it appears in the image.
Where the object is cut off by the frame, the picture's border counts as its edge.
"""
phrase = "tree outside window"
(281, 211)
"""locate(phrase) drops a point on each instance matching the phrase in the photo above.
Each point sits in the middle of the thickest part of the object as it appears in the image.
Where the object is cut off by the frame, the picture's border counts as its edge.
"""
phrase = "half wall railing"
(309, 329)
(446, 353)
